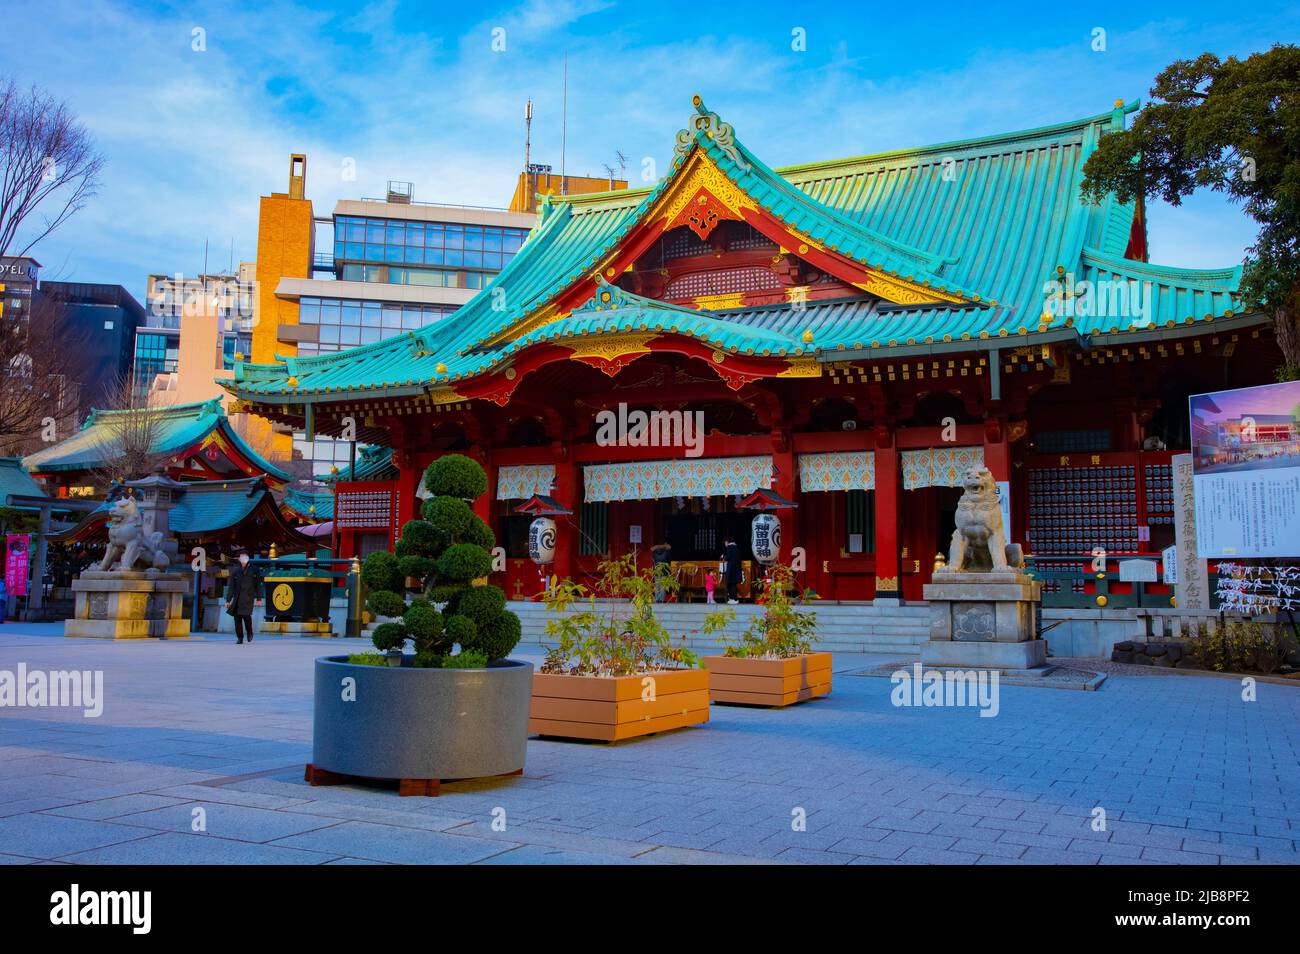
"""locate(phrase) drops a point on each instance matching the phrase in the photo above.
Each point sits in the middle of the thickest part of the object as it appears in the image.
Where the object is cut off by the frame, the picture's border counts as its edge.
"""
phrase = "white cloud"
(194, 138)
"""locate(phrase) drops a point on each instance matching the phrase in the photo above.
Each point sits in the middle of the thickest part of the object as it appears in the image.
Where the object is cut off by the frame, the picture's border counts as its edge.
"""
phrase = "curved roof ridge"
(929, 261)
(1227, 279)
(622, 197)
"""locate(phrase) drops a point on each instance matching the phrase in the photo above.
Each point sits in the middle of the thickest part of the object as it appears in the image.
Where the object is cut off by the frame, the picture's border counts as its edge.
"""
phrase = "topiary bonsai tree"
(448, 553)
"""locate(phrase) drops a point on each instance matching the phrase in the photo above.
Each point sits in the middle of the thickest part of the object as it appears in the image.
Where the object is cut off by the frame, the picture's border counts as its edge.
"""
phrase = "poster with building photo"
(1246, 471)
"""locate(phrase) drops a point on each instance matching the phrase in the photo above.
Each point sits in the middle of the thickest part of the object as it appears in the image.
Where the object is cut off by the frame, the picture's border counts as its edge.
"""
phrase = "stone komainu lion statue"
(128, 541)
(979, 544)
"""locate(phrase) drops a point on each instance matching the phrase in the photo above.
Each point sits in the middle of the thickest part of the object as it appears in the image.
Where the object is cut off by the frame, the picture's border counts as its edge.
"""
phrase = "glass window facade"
(419, 246)
(345, 323)
(323, 452)
(232, 344)
(155, 354)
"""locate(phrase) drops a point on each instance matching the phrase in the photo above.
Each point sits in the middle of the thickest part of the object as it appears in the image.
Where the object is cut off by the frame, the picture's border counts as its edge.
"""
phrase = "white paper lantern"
(541, 540)
(765, 538)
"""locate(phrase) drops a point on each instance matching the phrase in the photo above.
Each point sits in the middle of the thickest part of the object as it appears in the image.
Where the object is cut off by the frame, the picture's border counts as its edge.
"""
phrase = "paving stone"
(49, 836)
(177, 848)
(1207, 780)
(545, 855)
(237, 822)
(388, 843)
(107, 808)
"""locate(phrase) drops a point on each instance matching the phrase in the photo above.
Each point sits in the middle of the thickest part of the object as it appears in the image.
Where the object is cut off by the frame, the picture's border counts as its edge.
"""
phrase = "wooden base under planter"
(768, 682)
(613, 708)
(405, 786)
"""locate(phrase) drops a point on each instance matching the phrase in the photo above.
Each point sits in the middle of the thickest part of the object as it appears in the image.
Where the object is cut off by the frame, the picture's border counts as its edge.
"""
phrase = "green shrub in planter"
(463, 562)
(381, 572)
(389, 636)
(497, 638)
(450, 514)
(424, 625)
(386, 603)
(447, 550)
(461, 630)
(415, 566)
(482, 604)
(465, 660)
(455, 475)
(420, 539)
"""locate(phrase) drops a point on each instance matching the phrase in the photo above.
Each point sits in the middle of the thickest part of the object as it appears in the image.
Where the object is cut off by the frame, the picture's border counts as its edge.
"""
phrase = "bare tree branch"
(50, 166)
(131, 435)
(40, 399)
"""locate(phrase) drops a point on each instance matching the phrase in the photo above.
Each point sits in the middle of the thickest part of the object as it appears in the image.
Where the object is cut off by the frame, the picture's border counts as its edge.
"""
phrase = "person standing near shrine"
(661, 557)
(241, 597)
(731, 574)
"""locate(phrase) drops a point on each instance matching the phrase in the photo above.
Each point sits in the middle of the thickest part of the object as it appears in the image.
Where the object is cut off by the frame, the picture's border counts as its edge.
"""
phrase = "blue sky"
(415, 91)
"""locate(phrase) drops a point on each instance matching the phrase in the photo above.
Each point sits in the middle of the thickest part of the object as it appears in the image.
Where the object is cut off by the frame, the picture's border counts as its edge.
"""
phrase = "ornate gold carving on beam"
(610, 353)
(802, 368)
(700, 174)
(901, 291)
(443, 395)
(719, 301)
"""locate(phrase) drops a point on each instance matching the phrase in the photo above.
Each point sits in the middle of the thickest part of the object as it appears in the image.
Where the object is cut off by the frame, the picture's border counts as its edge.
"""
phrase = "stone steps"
(841, 627)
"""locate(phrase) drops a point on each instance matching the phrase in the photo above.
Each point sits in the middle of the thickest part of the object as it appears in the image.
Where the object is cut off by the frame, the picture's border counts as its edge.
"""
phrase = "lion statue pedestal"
(128, 604)
(130, 595)
(984, 609)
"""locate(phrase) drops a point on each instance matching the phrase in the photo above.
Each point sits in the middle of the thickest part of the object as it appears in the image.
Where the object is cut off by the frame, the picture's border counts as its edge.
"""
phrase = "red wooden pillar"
(409, 474)
(997, 451)
(997, 458)
(785, 482)
(888, 489)
(482, 505)
(566, 494)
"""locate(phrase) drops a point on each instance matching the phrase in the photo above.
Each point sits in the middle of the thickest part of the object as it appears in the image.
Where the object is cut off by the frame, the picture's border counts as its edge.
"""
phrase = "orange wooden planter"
(769, 682)
(613, 708)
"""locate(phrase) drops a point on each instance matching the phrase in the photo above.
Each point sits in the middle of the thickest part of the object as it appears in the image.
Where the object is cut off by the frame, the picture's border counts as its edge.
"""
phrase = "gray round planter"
(421, 723)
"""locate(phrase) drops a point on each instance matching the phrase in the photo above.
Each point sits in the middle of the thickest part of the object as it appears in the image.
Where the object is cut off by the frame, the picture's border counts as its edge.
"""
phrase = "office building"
(101, 322)
(394, 264)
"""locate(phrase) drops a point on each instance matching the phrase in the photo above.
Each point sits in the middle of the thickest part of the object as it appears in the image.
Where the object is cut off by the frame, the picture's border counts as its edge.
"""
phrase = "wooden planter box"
(769, 682)
(612, 708)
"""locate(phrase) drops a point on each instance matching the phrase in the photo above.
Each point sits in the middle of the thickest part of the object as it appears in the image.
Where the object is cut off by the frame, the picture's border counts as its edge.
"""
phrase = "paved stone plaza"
(1185, 770)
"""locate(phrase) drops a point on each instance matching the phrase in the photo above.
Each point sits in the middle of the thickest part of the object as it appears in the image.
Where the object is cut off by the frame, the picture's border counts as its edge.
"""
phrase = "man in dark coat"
(241, 597)
(661, 559)
(731, 574)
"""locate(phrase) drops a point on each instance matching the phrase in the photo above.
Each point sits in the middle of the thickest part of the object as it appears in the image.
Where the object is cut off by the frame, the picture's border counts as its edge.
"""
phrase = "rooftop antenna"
(564, 129)
(528, 156)
(610, 169)
(622, 164)
(528, 133)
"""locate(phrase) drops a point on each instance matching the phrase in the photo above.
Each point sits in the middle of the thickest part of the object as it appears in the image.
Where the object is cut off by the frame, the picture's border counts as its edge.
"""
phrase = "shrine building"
(851, 334)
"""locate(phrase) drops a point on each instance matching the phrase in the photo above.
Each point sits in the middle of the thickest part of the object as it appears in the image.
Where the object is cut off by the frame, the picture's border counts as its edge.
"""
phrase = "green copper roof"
(180, 428)
(312, 506)
(991, 220)
(624, 311)
(373, 463)
(211, 507)
(15, 480)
